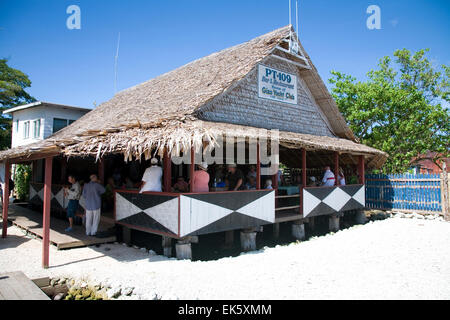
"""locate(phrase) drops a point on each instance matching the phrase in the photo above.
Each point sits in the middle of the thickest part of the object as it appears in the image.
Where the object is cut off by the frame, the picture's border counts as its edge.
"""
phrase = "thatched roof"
(162, 111)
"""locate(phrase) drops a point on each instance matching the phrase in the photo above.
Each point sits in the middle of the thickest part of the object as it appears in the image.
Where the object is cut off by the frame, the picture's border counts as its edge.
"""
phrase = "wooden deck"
(31, 221)
(16, 286)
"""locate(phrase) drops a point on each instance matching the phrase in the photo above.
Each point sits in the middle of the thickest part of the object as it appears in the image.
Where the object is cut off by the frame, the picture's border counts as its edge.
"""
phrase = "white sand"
(390, 259)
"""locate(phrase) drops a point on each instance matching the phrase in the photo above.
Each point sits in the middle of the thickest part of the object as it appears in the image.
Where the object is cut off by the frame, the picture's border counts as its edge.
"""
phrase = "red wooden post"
(6, 199)
(336, 168)
(191, 170)
(167, 171)
(101, 171)
(258, 168)
(63, 170)
(304, 182)
(275, 185)
(46, 211)
(361, 170)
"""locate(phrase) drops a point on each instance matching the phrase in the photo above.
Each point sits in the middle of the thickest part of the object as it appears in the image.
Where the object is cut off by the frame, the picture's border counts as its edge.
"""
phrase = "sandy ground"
(390, 259)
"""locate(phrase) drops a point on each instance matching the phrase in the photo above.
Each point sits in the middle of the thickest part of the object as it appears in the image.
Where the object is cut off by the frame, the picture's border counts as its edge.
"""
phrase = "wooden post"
(304, 182)
(229, 238)
(101, 171)
(63, 170)
(275, 186)
(33, 171)
(46, 211)
(191, 170)
(361, 170)
(6, 199)
(167, 171)
(336, 168)
(258, 168)
(445, 195)
(167, 246)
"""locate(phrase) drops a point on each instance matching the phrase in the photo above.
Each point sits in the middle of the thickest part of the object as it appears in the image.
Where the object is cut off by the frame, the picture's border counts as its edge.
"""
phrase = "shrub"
(22, 181)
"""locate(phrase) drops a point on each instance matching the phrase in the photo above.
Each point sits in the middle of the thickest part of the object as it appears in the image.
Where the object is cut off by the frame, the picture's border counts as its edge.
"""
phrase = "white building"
(39, 120)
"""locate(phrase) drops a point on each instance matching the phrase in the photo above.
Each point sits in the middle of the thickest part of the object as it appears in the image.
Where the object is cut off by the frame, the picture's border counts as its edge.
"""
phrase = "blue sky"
(76, 67)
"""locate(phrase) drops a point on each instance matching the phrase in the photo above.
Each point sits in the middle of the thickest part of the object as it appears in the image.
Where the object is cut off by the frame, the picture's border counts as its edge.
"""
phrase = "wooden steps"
(16, 286)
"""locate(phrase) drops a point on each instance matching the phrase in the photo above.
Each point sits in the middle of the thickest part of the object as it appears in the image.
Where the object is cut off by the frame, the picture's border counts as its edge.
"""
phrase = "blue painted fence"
(420, 192)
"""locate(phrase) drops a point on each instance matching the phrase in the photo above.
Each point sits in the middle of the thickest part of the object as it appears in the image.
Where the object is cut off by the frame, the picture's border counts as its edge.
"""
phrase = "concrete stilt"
(126, 235)
(360, 217)
(298, 230)
(334, 223)
(167, 246)
(184, 250)
(311, 223)
(229, 238)
(276, 230)
(248, 240)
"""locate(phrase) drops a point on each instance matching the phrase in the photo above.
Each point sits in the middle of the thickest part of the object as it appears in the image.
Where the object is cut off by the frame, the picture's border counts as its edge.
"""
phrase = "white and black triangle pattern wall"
(58, 201)
(150, 211)
(209, 213)
(329, 200)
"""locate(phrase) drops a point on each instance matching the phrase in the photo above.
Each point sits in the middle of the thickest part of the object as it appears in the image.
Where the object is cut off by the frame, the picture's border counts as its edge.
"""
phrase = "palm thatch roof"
(162, 111)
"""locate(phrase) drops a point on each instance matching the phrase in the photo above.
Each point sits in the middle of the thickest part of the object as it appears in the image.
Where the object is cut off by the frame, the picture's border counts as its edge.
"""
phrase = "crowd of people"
(224, 178)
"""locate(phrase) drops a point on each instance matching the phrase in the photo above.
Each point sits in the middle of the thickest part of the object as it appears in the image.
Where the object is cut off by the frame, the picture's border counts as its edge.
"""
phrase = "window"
(58, 124)
(71, 121)
(26, 129)
(37, 128)
(17, 125)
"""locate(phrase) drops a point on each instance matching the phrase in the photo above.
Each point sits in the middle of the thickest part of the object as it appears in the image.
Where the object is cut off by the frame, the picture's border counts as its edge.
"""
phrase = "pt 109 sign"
(277, 85)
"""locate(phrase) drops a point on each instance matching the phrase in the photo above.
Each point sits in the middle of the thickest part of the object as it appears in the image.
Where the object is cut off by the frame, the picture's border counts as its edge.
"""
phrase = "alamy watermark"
(374, 20)
(74, 20)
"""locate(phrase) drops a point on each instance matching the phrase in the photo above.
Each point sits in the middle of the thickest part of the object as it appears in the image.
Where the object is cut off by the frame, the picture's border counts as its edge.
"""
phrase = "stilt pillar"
(184, 248)
(126, 235)
(334, 223)
(229, 238)
(298, 230)
(276, 230)
(248, 240)
(46, 211)
(167, 246)
(311, 223)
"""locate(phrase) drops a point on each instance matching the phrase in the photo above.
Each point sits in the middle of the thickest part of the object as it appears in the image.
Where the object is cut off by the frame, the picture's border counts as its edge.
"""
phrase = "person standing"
(151, 180)
(235, 178)
(341, 177)
(73, 194)
(92, 193)
(328, 178)
(200, 179)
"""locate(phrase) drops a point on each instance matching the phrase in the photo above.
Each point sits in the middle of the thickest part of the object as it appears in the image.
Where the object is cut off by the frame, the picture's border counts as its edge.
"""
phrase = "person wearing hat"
(235, 178)
(313, 181)
(151, 180)
(200, 179)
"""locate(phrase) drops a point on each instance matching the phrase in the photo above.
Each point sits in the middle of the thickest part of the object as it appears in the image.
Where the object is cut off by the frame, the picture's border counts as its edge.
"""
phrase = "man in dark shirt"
(235, 178)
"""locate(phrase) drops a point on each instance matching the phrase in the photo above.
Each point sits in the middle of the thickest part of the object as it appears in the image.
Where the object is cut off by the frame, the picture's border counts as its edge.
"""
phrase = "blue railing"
(420, 192)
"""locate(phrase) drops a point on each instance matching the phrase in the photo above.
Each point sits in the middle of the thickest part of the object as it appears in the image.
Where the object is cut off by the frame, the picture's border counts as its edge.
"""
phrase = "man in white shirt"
(328, 178)
(151, 180)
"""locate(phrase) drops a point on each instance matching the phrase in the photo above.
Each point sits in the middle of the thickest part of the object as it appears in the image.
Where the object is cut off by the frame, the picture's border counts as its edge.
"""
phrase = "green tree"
(22, 181)
(12, 93)
(399, 108)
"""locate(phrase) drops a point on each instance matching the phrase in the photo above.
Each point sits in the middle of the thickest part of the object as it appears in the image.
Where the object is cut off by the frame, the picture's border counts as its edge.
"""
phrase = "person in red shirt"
(200, 179)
